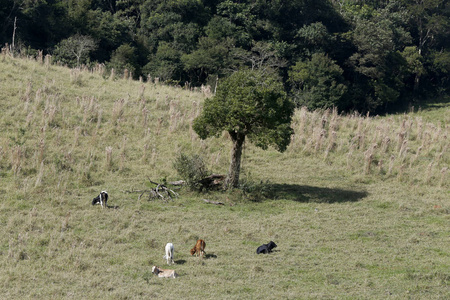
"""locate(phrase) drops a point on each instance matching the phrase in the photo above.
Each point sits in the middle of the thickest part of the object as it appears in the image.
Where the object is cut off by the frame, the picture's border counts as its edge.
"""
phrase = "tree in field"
(247, 104)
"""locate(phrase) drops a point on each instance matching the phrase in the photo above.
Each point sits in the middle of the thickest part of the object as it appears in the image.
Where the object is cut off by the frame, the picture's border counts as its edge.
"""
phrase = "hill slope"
(357, 205)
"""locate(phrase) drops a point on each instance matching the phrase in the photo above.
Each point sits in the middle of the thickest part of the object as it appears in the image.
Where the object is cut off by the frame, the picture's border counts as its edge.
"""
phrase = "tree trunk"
(232, 180)
(416, 84)
(14, 37)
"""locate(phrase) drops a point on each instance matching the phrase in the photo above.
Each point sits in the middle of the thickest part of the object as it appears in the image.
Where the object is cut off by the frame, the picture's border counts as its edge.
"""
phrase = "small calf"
(199, 248)
(169, 253)
(266, 248)
(166, 273)
(102, 199)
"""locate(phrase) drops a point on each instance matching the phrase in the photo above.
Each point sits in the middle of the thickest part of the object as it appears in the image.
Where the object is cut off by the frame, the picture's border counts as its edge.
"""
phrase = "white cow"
(169, 253)
(164, 272)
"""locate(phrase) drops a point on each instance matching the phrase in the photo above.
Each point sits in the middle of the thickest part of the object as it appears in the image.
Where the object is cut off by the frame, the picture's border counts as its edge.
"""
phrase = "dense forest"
(371, 56)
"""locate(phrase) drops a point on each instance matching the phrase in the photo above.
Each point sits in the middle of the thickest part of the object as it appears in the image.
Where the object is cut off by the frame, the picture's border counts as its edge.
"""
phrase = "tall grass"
(399, 146)
(358, 205)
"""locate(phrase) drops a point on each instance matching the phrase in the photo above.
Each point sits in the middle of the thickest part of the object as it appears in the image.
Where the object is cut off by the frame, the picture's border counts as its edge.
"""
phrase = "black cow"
(266, 248)
(102, 199)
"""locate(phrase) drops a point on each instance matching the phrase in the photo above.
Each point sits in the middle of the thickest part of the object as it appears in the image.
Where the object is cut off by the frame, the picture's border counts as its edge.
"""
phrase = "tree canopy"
(381, 55)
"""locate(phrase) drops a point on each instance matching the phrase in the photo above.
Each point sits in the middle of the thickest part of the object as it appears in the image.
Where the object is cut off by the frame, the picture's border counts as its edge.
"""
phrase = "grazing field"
(358, 205)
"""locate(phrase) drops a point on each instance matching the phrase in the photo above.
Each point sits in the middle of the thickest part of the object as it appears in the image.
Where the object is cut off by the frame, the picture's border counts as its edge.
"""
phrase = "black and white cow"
(102, 199)
(266, 248)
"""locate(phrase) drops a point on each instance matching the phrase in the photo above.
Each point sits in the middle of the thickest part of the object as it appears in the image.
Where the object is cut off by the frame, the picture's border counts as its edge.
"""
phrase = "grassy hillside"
(359, 206)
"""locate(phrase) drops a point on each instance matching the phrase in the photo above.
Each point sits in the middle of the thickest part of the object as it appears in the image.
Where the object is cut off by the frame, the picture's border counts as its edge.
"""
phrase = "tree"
(429, 20)
(123, 58)
(377, 67)
(430, 30)
(414, 64)
(165, 63)
(263, 57)
(318, 82)
(75, 49)
(315, 38)
(211, 57)
(249, 104)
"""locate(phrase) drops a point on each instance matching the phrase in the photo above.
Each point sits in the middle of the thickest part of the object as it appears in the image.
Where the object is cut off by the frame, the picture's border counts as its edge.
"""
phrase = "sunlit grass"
(357, 205)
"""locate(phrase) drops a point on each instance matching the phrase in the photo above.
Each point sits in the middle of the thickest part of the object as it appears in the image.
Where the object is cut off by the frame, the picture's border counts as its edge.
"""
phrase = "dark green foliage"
(377, 68)
(40, 24)
(123, 58)
(391, 53)
(317, 82)
(314, 38)
(165, 63)
(191, 168)
(8, 11)
(175, 22)
(211, 57)
(440, 70)
(249, 103)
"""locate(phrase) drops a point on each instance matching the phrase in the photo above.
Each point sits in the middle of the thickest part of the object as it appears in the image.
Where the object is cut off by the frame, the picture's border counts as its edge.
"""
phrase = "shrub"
(191, 168)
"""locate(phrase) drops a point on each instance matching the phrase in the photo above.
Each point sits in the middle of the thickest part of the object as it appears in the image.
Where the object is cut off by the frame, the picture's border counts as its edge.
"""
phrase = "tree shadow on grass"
(307, 194)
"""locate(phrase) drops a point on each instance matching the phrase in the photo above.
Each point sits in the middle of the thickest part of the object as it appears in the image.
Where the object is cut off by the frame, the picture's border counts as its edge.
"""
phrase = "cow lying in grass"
(266, 248)
(199, 248)
(102, 199)
(164, 273)
(169, 253)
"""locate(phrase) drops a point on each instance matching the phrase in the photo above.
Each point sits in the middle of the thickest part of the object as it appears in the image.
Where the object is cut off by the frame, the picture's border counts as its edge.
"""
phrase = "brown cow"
(199, 248)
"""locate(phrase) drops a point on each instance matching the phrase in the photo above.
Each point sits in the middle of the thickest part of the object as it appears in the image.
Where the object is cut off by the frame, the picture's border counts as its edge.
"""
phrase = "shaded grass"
(313, 194)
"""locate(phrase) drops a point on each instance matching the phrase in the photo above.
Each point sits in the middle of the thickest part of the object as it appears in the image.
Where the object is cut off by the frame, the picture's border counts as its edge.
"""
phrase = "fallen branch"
(211, 181)
(160, 191)
(178, 182)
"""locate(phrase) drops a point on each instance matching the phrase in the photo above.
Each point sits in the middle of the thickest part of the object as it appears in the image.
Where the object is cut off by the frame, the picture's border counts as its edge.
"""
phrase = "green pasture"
(358, 205)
